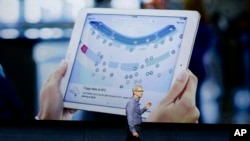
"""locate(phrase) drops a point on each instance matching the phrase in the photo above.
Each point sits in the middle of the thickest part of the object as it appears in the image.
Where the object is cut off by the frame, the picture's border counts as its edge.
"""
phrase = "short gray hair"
(136, 87)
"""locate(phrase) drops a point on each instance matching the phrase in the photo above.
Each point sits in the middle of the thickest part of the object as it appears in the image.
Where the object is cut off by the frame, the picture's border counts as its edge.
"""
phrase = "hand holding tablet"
(111, 50)
(177, 106)
(50, 100)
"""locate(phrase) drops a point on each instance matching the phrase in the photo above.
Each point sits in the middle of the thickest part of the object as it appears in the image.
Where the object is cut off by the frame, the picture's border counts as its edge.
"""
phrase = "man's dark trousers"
(130, 136)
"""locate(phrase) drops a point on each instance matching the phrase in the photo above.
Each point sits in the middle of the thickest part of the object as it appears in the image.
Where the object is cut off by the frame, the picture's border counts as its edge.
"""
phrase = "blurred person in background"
(202, 62)
(234, 49)
(10, 105)
(155, 4)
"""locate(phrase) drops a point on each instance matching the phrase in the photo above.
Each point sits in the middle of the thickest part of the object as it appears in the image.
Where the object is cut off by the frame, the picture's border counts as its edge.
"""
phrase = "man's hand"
(148, 105)
(135, 134)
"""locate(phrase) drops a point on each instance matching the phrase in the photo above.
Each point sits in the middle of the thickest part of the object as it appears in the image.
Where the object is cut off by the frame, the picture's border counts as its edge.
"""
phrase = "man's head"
(137, 91)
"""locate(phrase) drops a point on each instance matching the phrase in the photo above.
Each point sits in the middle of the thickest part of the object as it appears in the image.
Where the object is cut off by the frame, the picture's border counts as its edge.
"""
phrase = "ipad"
(111, 50)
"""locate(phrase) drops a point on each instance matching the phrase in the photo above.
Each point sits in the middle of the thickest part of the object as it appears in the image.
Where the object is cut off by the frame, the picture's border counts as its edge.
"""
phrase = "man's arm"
(130, 116)
(142, 110)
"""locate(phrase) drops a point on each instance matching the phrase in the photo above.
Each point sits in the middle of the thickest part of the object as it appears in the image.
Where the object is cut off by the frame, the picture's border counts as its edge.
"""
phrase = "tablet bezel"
(182, 63)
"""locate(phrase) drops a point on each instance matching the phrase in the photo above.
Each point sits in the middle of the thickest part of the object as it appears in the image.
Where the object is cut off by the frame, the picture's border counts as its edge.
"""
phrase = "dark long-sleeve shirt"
(10, 105)
(134, 112)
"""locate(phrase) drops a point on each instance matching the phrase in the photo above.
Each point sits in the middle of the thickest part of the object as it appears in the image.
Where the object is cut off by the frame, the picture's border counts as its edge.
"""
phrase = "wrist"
(45, 116)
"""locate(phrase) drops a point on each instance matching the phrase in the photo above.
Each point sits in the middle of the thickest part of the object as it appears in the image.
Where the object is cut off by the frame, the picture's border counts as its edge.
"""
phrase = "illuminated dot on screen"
(170, 71)
(52, 10)
(125, 4)
(142, 66)
(46, 33)
(111, 74)
(173, 51)
(156, 45)
(136, 74)
(101, 56)
(32, 11)
(78, 4)
(9, 33)
(162, 42)
(126, 76)
(31, 33)
(9, 11)
(98, 53)
(242, 99)
(57, 33)
(151, 72)
(157, 65)
(130, 76)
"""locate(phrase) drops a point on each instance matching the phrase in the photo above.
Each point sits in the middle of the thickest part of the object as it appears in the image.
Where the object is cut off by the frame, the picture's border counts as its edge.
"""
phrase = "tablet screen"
(116, 52)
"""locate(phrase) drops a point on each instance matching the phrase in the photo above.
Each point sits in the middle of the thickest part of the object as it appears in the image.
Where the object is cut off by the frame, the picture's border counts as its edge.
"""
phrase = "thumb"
(59, 72)
(177, 87)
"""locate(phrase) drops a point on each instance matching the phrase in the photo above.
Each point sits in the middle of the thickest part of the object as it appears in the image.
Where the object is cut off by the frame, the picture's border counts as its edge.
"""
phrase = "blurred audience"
(155, 4)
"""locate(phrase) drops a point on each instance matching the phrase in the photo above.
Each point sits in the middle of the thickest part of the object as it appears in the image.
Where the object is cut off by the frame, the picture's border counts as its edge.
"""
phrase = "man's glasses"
(140, 91)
